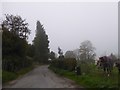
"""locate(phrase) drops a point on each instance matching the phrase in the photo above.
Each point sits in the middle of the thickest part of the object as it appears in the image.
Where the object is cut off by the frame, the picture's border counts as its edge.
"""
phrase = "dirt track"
(41, 77)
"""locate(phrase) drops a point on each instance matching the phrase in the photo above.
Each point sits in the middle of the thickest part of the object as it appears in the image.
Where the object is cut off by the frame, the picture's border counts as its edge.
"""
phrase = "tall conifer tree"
(41, 44)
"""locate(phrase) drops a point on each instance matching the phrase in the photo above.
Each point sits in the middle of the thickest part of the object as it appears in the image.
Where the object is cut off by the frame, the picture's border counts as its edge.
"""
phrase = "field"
(94, 79)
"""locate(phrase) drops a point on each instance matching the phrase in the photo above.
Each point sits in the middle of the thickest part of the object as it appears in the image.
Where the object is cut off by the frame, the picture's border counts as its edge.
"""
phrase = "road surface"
(41, 77)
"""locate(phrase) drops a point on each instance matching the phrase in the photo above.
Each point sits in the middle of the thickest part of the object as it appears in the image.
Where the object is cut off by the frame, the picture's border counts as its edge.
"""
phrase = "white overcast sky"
(70, 23)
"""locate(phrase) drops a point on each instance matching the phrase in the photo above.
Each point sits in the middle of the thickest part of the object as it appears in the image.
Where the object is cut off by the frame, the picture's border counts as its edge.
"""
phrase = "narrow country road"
(41, 77)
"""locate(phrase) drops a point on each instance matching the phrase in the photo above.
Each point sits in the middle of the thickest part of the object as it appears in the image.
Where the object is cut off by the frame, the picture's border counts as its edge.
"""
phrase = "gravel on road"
(41, 77)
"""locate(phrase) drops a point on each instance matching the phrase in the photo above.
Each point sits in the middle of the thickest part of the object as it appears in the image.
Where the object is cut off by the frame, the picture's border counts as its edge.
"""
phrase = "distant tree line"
(83, 58)
(80, 58)
(85, 52)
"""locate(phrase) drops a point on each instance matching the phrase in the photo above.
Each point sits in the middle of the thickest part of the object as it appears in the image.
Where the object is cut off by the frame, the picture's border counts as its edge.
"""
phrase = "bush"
(85, 67)
(70, 64)
(25, 70)
(66, 64)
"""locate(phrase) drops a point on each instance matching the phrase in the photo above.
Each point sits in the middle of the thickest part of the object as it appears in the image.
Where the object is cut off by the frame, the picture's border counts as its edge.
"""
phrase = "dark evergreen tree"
(41, 44)
(52, 55)
(30, 50)
(60, 52)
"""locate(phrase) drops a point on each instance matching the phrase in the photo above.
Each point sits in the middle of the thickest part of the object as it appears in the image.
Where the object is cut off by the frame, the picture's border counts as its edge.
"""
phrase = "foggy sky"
(69, 24)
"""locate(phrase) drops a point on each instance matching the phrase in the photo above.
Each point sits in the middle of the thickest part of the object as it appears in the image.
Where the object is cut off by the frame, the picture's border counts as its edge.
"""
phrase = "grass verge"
(9, 76)
(25, 70)
(92, 80)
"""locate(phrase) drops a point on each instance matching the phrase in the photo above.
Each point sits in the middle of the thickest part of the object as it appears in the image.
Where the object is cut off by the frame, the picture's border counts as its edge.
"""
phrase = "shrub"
(85, 67)
(70, 64)
(66, 64)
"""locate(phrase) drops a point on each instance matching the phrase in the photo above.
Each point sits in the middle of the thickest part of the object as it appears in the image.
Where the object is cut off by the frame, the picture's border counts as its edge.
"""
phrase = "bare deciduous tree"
(70, 54)
(87, 51)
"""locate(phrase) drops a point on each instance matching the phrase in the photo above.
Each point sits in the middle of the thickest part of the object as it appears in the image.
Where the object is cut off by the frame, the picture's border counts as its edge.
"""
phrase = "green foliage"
(8, 76)
(94, 80)
(41, 44)
(13, 46)
(70, 64)
(66, 64)
(52, 55)
(30, 50)
(25, 70)
(16, 25)
(85, 66)
(61, 72)
(13, 51)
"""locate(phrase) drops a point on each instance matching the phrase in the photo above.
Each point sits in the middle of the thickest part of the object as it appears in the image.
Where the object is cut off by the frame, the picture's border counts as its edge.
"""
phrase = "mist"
(68, 24)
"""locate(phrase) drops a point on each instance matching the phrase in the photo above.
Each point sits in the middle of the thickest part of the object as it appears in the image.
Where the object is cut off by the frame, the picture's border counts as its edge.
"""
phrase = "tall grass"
(94, 79)
(9, 76)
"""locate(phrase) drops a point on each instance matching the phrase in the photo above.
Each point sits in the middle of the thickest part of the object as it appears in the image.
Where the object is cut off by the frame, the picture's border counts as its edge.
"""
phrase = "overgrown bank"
(14, 75)
(95, 79)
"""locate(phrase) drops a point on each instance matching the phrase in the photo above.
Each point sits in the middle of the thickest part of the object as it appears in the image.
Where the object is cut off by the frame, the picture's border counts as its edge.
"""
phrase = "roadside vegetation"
(9, 76)
(94, 79)
(83, 69)
(18, 56)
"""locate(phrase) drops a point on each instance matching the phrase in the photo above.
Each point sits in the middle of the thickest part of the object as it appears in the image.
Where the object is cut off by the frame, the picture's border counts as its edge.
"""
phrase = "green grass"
(25, 70)
(9, 76)
(95, 79)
